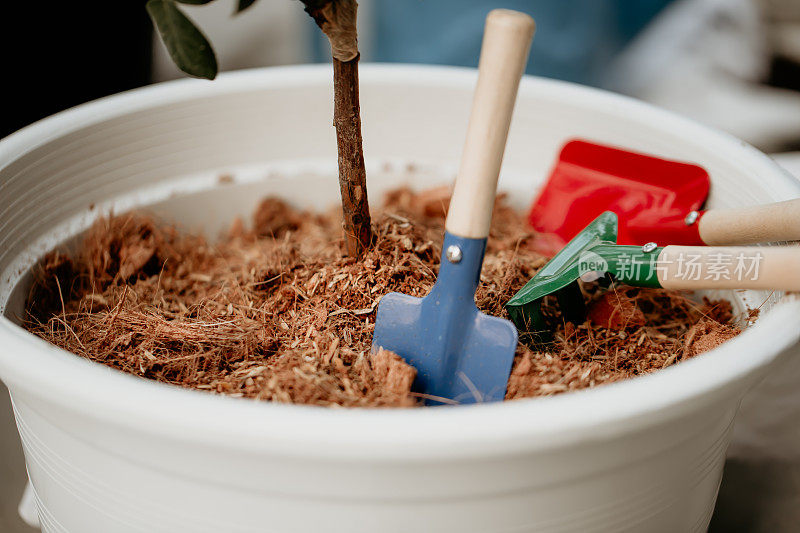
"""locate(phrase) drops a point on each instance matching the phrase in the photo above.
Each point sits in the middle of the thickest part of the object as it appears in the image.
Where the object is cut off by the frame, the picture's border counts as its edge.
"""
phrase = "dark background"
(63, 53)
(60, 54)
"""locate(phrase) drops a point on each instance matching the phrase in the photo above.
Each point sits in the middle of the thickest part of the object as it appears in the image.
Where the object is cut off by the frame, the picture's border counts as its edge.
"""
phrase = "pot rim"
(126, 401)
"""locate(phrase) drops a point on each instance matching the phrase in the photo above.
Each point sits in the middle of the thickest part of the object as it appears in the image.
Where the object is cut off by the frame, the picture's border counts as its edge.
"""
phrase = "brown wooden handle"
(749, 225)
(751, 267)
(504, 54)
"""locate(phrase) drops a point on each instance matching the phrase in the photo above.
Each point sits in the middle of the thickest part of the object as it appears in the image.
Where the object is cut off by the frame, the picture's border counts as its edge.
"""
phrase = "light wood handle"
(504, 54)
(754, 267)
(749, 225)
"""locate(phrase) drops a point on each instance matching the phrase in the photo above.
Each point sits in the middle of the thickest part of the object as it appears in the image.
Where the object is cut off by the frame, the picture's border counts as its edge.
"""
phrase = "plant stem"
(352, 174)
(337, 19)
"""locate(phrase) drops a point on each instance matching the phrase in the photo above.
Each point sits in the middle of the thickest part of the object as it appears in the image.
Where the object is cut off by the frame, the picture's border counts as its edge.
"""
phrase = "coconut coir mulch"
(276, 312)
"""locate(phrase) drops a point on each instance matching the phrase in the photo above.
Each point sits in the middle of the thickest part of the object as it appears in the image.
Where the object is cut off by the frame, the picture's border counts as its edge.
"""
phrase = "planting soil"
(275, 310)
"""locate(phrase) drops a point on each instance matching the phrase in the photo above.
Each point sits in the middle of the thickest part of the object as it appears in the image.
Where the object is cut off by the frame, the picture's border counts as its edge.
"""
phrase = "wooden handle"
(504, 54)
(750, 225)
(702, 267)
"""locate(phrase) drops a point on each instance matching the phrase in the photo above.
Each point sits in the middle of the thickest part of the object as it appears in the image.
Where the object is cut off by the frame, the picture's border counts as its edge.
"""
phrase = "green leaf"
(186, 44)
(244, 4)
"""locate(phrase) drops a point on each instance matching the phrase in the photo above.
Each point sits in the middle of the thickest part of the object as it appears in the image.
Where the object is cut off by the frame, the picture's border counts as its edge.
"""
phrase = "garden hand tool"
(460, 353)
(594, 251)
(656, 200)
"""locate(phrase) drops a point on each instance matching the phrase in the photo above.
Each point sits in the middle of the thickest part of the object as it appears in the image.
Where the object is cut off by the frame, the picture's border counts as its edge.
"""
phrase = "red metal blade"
(651, 196)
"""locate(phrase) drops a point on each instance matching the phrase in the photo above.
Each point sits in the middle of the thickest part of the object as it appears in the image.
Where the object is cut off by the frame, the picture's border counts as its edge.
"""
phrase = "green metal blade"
(593, 250)
(563, 268)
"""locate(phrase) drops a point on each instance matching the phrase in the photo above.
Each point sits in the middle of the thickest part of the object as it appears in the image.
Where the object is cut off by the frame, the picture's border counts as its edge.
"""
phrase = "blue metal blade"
(459, 353)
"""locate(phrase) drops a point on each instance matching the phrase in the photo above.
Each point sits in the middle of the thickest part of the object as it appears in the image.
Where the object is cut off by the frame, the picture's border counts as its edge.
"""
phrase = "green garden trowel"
(593, 254)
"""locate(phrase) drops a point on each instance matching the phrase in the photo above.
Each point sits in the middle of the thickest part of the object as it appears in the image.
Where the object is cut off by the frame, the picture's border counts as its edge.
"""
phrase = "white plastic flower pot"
(109, 452)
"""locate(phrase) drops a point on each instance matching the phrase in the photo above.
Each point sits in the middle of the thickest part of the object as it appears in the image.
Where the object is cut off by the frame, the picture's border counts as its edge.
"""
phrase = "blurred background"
(731, 64)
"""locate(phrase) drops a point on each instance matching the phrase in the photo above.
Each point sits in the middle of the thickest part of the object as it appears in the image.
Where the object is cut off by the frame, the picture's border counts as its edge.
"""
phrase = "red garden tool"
(655, 200)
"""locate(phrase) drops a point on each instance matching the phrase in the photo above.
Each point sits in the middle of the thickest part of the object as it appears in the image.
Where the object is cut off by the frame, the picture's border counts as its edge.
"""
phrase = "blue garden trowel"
(461, 354)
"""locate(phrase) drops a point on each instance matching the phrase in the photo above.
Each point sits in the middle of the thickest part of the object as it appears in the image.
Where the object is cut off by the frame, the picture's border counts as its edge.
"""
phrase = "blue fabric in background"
(575, 40)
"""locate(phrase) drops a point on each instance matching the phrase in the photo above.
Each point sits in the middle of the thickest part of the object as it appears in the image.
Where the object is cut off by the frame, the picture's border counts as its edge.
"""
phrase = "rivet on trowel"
(691, 218)
(454, 253)
(649, 247)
